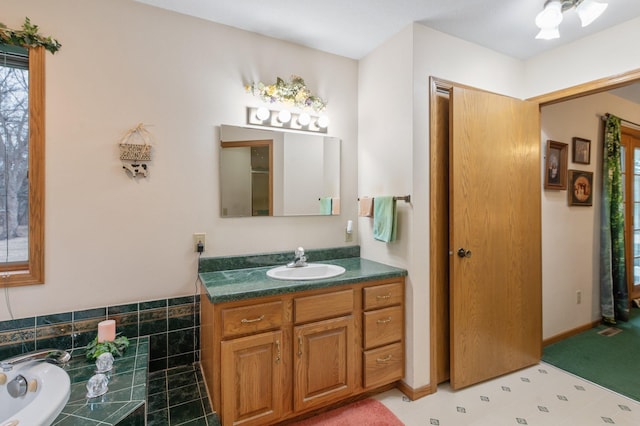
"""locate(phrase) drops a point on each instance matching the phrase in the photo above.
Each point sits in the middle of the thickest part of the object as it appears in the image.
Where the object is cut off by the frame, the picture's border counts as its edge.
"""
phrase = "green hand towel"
(325, 205)
(385, 219)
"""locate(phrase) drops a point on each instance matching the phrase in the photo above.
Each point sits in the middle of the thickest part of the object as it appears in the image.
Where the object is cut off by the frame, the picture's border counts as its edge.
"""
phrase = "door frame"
(438, 173)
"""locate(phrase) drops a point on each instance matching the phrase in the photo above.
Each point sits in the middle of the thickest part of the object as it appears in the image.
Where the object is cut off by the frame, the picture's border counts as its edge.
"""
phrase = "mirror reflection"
(276, 173)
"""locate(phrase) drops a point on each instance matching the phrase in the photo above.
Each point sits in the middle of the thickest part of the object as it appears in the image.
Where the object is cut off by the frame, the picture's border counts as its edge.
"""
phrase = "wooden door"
(252, 379)
(325, 362)
(495, 280)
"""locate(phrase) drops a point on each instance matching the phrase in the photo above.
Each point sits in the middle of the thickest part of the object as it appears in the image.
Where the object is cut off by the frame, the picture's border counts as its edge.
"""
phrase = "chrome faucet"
(299, 259)
(54, 356)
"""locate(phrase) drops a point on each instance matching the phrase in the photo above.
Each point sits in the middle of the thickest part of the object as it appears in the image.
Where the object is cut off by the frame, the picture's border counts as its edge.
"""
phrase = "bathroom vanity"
(272, 350)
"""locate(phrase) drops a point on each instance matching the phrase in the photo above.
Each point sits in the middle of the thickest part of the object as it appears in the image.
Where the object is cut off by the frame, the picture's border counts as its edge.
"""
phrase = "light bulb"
(284, 116)
(262, 113)
(551, 15)
(548, 34)
(589, 11)
(304, 119)
(323, 121)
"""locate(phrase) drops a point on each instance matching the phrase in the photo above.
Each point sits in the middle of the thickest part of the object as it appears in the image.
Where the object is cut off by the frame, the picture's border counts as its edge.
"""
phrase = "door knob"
(464, 253)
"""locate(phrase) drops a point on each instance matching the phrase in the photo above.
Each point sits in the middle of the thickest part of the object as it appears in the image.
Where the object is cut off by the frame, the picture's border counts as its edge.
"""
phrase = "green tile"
(185, 412)
(66, 317)
(157, 401)
(181, 300)
(120, 309)
(154, 304)
(183, 394)
(90, 313)
(158, 418)
(181, 378)
(202, 421)
(17, 324)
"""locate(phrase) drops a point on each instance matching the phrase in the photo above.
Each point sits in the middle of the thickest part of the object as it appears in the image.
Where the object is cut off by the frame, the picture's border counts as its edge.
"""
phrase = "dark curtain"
(614, 297)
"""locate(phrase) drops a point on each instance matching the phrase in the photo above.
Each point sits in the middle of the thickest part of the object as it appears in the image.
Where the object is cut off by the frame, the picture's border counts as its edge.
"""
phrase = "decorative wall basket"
(135, 152)
(135, 147)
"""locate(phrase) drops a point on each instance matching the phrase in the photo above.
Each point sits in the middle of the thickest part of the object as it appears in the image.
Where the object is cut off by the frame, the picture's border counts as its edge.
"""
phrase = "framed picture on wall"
(581, 151)
(580, 188)
(555, 176)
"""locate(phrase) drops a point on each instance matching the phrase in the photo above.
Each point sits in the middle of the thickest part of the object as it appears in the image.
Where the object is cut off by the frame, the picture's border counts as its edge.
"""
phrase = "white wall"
(110, 239)
(393, 151)
(571, 238)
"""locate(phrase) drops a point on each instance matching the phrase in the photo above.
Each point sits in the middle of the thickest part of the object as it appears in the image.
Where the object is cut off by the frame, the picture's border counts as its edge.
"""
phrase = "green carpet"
(612, 362)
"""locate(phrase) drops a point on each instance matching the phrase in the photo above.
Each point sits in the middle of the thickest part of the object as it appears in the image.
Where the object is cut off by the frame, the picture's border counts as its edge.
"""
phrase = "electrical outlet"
(199, 238)
(579, 297)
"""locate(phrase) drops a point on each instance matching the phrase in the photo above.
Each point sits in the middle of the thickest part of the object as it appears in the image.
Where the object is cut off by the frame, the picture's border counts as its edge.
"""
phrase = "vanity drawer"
(383, 365)
(383, 326)
(381, 296)
(323, 306)
(253, 318)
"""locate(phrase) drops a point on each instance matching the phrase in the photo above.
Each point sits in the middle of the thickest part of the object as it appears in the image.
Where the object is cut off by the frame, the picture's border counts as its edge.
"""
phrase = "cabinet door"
(325, 362)
(252, 379)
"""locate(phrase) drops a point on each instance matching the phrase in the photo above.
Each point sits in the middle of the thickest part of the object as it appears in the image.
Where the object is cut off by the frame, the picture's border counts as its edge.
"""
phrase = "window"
(630, 159)
(21, 166)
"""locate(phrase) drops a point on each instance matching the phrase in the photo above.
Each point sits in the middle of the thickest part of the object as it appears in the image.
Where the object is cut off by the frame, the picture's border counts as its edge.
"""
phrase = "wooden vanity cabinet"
(273, 358)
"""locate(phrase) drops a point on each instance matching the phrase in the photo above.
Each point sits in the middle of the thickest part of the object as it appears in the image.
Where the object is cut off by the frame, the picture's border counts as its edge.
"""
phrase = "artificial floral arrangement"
(294, 92)
(116, 348)
(27, 37)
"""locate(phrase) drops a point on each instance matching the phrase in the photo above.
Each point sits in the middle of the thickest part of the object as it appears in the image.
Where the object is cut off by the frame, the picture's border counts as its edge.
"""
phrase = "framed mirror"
(277, 173)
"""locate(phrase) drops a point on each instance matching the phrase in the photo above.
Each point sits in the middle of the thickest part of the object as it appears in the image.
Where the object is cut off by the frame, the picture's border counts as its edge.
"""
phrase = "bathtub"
(48, 392)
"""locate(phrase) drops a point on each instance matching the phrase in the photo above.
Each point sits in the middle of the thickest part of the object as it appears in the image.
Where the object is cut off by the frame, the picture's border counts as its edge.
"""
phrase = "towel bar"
(405, 198)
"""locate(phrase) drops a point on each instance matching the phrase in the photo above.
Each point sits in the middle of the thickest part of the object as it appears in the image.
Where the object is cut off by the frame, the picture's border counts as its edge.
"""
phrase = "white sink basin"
(313, 271)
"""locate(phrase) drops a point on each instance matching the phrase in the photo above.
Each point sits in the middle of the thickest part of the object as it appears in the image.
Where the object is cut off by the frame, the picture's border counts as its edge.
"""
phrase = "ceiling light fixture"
(551, 16)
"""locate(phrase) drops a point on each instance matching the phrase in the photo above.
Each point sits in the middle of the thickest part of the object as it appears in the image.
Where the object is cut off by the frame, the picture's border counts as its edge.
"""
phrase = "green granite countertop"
(244, 283)
(124, 402)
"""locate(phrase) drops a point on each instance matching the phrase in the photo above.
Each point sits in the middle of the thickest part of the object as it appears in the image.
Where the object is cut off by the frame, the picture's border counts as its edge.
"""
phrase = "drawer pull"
(385, 359)
(384, 321)
(299, 346)
(383, 297)
(249, 321)
(278, 353)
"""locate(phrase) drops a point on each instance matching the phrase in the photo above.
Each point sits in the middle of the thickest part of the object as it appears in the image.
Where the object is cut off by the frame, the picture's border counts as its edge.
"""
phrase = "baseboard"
(566, 334)
(414, 394)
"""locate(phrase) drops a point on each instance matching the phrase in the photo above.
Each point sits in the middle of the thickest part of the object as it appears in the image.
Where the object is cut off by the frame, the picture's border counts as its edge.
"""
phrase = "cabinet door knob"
(299, 346)
(278, 353)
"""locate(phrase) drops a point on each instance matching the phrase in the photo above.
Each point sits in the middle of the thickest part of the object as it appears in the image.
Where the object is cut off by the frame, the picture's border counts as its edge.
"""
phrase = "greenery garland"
(27, 37)
(294, 92)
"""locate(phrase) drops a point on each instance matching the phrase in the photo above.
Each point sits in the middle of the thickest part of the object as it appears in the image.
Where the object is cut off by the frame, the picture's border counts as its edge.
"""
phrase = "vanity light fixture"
(551, 16)
(285, 119)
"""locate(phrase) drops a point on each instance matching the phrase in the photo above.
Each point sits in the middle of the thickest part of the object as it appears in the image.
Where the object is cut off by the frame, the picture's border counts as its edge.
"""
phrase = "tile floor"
(538, 395)
(178, 397)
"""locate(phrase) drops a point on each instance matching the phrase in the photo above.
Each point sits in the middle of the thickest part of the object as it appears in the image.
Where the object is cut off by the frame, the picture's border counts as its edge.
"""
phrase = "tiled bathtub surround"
(173, 327)
(124, 402)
